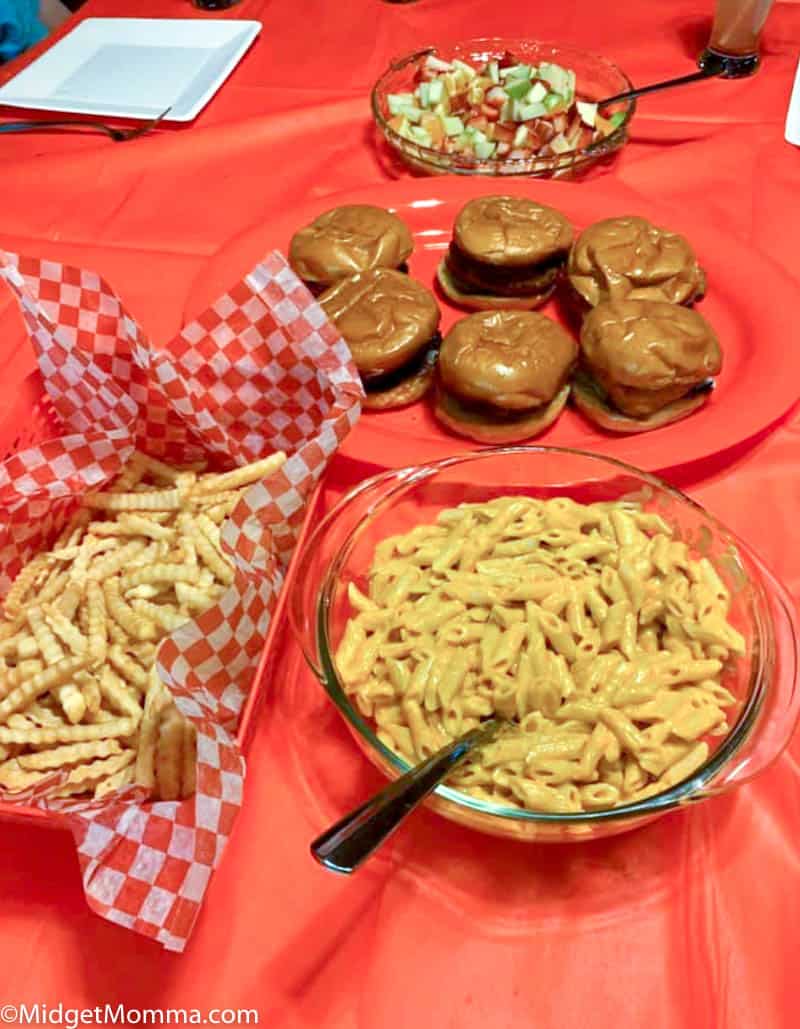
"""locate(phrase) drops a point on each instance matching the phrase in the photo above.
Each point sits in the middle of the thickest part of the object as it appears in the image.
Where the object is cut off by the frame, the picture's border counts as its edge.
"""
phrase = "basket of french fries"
(149, 502)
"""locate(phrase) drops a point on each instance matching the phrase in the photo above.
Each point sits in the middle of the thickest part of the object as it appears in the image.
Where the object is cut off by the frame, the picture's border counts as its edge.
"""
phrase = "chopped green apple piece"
(521, 136)
(528, 111)
(571, 83)
(420, 135)
(493, 71)
(552, 101)
(413, 114)
(443, 108)
(560, 144)
(556, 77)
(617, 118)
(518, 89)
(424, 90)
(588, 112)
(437, 64)
(484, 148)
(397, 101)
(435, 92)
(478, 137)
(466, 69)
(402, 128)
(453, 126)
(536, 93)
(516, 71)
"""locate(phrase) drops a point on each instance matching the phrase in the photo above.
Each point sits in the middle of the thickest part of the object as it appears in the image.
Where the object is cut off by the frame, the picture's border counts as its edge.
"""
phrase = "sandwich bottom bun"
(409, 391)
(485, 301)
(591, 404)
(484, 427)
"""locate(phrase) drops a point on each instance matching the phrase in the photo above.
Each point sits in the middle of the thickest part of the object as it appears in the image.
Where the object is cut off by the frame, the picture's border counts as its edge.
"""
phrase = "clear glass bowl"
(596, 78)
(764, 680)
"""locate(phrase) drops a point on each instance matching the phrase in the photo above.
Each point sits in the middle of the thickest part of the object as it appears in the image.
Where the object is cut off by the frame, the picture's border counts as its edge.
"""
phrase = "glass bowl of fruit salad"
(502, 107)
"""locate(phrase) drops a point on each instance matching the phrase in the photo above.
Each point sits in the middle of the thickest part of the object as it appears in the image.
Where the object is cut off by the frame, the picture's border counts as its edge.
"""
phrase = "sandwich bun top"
(629, 257)
(384, 316)
(511, 231)
(349, 239)
(649, 344)
(512, 360)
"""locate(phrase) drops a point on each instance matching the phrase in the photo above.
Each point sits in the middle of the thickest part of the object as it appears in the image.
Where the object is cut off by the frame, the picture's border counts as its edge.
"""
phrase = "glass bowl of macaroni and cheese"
(641, 656)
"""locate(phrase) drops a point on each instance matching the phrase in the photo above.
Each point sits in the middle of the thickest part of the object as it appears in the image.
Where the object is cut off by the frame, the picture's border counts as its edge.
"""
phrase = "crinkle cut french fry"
(72, 702)
(165, 615)
(107, 729)
(12, 605)
(156, 702)
(124, 777)
(116, 692)
(49, 647)
(111, 563)
(210, 556)
(68, 633)
(130, 670)
(96, 618)
(123, 614)
(70, 600)
(69, 754)
(244, 476)
(48, 679)
(90, 691)
(169, 755)
(53, 588)
(193, 598)
(152, 500)
(43, 715)
(159, 572)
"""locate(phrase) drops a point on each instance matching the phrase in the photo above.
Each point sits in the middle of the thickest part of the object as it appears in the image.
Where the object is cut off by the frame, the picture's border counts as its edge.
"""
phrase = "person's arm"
(53, 13)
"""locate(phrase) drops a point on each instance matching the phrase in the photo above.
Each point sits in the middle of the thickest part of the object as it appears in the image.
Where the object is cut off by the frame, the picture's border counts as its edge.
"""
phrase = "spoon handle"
(353, 838)
(704, 73)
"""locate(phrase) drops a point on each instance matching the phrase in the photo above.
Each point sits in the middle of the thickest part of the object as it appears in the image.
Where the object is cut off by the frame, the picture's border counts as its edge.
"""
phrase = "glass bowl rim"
(434, 158)
(660, 802)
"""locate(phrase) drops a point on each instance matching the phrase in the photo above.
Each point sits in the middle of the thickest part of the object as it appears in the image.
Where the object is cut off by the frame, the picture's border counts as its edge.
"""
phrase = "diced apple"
(493, 71)
(588, 112)
(464, 68)
(504, 134)
(489, 113)
(536, 94)
(437, 64)
(432, 124)
(398, 124)
(495, 97)
(503, 149)
(477, 122)
(560, 145)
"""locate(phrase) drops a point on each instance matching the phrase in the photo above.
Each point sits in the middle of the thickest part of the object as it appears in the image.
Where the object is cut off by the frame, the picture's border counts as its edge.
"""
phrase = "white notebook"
(133, 67)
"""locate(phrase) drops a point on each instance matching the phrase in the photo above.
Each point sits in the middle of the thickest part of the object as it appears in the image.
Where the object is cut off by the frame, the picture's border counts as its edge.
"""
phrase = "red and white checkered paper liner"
(261, 370)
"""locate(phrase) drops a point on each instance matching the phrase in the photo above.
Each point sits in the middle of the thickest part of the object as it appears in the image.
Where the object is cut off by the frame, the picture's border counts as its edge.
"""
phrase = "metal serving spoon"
(118, 135)
(344, 846)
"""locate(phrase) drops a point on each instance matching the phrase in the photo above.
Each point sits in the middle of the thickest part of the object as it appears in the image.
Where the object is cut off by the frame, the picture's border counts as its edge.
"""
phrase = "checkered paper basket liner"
(260, 370)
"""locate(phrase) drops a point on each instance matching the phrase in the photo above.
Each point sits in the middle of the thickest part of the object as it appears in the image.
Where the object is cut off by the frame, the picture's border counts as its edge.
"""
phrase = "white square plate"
(793, 114)
(133, 67)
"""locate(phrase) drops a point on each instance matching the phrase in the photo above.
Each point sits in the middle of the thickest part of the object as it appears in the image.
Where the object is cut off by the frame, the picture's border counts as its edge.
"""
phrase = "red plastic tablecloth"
(690, 923)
